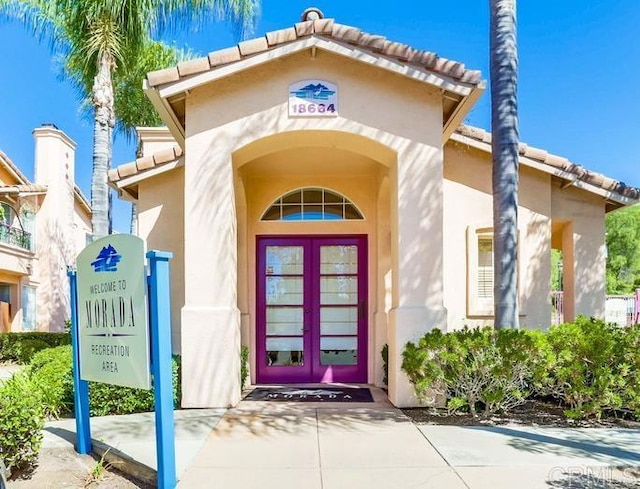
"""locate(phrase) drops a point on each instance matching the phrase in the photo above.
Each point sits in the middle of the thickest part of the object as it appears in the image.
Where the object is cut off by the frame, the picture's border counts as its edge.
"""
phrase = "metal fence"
(15, 236)
(623, 310)
(557, 307)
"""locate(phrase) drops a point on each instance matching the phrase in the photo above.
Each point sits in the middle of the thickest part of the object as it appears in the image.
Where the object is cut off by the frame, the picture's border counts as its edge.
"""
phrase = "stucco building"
(322, 199)
(44, 224)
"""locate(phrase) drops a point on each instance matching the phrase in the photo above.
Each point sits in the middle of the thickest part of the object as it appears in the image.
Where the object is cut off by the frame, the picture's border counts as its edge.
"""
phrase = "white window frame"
(483, 306)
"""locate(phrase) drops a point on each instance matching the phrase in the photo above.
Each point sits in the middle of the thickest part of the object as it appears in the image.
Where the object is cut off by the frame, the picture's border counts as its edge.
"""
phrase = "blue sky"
(579, 65)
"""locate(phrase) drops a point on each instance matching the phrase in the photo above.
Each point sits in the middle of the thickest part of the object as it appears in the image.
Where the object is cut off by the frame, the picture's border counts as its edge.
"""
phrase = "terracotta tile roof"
(31, 188)
(145, 163)
(542, 156)
(326, 28)
(596, 179)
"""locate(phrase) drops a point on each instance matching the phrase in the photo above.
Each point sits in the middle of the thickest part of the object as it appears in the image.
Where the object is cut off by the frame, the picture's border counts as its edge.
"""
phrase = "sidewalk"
(7, 371)
(363, 445)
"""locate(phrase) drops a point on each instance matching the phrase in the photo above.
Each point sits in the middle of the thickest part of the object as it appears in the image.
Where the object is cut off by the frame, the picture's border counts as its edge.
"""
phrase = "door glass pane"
(285, 352)
(338, 259)
(338, 290)
(285, 320)
(284, 290)
(284, 260)
(338, 320)
(339, 351)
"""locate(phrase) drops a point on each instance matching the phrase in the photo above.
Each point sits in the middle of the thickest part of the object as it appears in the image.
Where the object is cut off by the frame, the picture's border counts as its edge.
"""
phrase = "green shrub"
(21, 422)
(591, 366)
(51, 372)
(385, 363)
(244, 365)
(629, 366)
(27, 348)
(106, 399)
(484, 369)
(19, 347)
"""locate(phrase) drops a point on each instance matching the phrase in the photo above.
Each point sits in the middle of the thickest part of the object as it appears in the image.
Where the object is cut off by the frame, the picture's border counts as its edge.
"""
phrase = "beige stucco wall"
(161, 225)
(154, 139)
(584, 249)
(384, 153)
(542, 202)
(468, 203)
(225, 118)
(81, 226)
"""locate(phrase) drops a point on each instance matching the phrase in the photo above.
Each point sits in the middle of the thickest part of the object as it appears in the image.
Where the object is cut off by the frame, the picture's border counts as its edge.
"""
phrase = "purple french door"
(312, 309)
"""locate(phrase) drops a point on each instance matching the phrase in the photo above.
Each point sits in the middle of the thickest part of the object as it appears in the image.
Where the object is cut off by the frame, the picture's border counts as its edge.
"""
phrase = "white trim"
(484, 308)
(166, 113)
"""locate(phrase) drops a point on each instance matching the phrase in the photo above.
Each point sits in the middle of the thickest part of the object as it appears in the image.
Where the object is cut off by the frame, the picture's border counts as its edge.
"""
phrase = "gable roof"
(461, 87)
(13, 169)
(616, 193)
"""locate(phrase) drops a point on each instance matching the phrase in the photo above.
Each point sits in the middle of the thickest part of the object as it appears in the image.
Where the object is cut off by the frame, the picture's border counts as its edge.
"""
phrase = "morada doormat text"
(322, 394)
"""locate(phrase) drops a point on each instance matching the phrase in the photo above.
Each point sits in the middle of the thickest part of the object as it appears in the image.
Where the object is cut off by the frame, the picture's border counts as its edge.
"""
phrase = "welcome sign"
(112, 312)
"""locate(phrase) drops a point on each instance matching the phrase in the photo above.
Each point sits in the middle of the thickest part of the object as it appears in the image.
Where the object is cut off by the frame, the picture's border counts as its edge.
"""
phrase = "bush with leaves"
(51, 373)
(21, 421)
(107, 399)
(385, 363)
(244, 365)
(629, 368)
(473, 368)
(20, 347)
(591, 366)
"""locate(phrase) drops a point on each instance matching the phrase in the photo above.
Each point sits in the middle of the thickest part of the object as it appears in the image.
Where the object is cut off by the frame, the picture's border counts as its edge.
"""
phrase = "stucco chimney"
(54, 167)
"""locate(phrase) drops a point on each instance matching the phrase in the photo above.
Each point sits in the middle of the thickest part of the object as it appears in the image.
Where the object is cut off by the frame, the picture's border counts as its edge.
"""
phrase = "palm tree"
(504, 147)
(100, 38)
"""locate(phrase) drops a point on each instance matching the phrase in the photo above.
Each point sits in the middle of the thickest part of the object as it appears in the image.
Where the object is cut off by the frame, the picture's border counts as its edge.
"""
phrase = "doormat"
(311, 394)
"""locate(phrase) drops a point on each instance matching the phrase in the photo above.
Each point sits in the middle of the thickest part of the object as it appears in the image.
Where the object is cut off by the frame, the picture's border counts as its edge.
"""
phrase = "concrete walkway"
(334, 446)
(7, 371)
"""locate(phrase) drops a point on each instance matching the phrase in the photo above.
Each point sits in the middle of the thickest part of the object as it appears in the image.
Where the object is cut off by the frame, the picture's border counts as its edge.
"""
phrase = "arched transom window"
(312, 204)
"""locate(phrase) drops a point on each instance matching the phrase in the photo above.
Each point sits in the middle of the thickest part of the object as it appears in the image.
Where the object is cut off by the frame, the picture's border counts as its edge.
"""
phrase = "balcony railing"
(14, 236)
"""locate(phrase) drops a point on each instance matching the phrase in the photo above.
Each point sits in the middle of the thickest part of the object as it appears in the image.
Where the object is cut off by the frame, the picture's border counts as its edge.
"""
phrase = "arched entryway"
(311, 287)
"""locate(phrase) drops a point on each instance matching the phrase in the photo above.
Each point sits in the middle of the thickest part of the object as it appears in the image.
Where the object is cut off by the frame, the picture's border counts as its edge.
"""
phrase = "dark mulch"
(532, 412)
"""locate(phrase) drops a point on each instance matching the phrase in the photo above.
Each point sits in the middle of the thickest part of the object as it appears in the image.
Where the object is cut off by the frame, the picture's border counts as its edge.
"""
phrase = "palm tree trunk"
(104, 121)
(133, 228)
(504, 146)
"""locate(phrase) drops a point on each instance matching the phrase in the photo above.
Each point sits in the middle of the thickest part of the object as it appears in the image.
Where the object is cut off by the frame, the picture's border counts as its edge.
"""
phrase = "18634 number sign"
(313, 98)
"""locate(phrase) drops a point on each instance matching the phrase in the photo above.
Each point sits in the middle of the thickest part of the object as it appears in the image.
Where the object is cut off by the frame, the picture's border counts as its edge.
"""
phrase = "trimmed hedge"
(51, 371)
(20, 347)
(588, 366)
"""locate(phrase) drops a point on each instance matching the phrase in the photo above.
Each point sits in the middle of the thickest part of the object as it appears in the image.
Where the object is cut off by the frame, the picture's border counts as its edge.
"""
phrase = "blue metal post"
(160, 322)
(80, 387)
